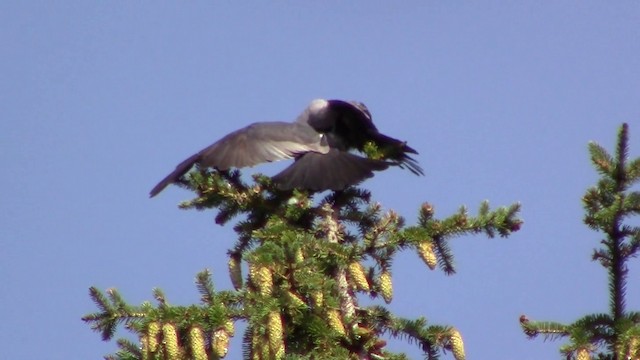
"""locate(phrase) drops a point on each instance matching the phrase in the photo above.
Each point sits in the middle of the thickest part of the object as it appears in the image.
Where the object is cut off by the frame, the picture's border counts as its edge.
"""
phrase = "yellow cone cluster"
(235, 272)
(146, 354)
(153, 330)
(386, 287)
(259, 347)
(230, 327)
(333, 317)
(170, 341)
(457, 346)
(262, 278)
(318, 298)
(356, 273)
(582, 354)
(425, 250)
(275, 334)
(295, 299)
(196, 341)
(220, 343)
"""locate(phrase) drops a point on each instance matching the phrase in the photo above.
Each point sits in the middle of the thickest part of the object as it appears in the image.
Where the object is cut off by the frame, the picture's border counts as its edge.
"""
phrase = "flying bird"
(319, 141)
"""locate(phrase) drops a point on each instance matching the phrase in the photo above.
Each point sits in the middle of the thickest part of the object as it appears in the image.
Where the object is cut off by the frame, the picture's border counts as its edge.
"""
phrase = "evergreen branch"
(504, 221)
(634, 317)
(100, 300)
(365, 219)
(633, 235)
(122, 354)
(602, 257)
(548, 329)
(205, 287)
(128, 350)
(606, 206)
(113, 311)
(117, 301)
(631, 204)
(622, 153)
(633, 171)
(593, 327)
(226, 191)
(617, 286)
(247, 343)
(183, 325)
(602, 161)
(444, 255)
(158, 294)
(414, 331)
(304, 271)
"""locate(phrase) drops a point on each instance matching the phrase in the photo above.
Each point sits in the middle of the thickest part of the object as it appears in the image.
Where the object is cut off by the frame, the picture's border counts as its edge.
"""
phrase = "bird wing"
(249, 146)
(334, 170)
(262, 142)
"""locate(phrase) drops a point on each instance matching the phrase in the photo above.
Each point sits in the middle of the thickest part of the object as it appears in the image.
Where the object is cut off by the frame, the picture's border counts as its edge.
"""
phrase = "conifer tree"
(614, 335)
(297, 268)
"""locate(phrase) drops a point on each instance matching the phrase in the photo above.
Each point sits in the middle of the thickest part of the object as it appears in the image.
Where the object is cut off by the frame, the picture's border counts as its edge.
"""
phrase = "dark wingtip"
(180, 170)
(171, 178)
(158, 188)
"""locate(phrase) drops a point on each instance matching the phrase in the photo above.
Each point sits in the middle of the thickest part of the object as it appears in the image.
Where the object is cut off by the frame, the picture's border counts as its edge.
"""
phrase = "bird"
(320, 141)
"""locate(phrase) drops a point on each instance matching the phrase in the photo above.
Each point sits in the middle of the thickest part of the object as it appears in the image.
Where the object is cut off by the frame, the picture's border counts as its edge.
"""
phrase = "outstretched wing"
(334, 170)
(262, 142)
(252, 145)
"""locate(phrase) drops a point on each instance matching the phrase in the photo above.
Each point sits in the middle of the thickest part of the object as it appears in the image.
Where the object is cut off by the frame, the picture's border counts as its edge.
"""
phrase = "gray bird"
(319, 141)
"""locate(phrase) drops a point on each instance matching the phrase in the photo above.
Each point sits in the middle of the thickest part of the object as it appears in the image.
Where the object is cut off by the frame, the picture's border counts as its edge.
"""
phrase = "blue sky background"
(101, 99)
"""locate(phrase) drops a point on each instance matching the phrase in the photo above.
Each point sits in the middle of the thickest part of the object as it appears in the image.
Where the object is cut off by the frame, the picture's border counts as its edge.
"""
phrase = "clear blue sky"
(100, 100)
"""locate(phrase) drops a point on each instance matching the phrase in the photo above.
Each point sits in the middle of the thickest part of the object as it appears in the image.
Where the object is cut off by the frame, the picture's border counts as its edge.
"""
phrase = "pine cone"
(229, 327)
(457, 346)
(333, 316)
(386, 287)
(318, 298)
(356, 272)
(196, 340)
(425, 250)
(295, 299)
(262, 278)
(220, 343)
(144, 344)
(427, 210)
(170, 341)
(275, 333)
(153, 330)
(235, 272)
(582, 354)
(256, 346)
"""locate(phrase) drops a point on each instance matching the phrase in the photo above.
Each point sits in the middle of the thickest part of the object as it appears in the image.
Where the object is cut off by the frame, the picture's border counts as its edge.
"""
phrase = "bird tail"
(180, 170)
(397, 151)
(407, 162)
(335, 170)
